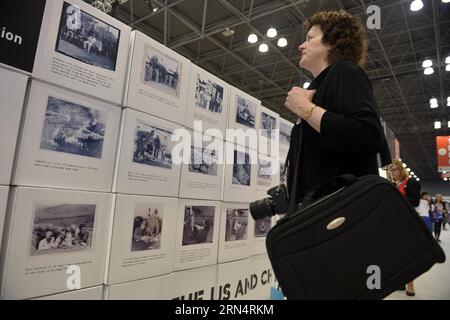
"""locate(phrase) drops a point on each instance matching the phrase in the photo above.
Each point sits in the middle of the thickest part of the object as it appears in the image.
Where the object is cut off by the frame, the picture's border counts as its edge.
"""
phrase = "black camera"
(277, 203)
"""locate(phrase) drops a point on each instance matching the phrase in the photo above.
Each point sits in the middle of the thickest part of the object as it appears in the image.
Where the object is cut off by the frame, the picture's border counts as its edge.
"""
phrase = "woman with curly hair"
(338, 127)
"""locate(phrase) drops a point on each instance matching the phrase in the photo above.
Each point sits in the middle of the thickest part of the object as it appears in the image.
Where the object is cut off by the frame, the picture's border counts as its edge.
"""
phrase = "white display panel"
(68, 141)
(3, 202)
(57, 240)
(243, 114)
(145, 166)
(207, 101)
(269, 125)
(143, 238)
(195, 284)
(95, 293)
(156, 288)
(285, 134)
(233, 280)
(267, 174)
(262, 277)
(83, 49)
(158, 79)
(257, 231)
(234, 238)
(197, 233)
(203, 177)
(12, 93)
(240, 173)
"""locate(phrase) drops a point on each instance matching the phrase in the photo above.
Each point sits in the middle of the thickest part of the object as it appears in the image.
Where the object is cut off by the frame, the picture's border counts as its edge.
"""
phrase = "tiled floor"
(435, 284)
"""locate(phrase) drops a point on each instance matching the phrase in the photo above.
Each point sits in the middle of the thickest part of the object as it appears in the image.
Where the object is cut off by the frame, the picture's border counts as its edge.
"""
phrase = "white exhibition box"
(240, 173)
(197, 233)
(158, 79)
(195, 284)
(207, 101)
(12, 93)
(234, 239)
(267, 174)
(268, 133)
(56, 241)
(258, 230)
(233, 280)
(242, 117)
(4, 190)
(285, 134)
(156, 288)
(262, 277)
(94, 293)
(68, 141)
(83, 49)
(145, 165)
(143, 238)
(203, 177)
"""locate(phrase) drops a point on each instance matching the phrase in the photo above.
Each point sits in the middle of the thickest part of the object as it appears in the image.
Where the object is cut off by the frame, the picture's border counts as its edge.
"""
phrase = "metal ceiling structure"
(194, 28)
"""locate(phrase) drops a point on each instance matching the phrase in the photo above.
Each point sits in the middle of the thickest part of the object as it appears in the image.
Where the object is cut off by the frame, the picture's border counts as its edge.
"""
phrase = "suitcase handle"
(332, 185)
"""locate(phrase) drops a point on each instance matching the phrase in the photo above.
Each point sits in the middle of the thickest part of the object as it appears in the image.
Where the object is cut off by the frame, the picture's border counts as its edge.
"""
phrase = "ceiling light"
(408, 169)
(263, 47)
(411, 173)
(428, 71)
(272, 32)
(447, 67)
(155, 9)
(447, 60)
(306, 85)
(437, 124)
(228, 32)
(282, 42)
(416, 5)
(448, 101)
(448, 124)
(427, 63)
(445, 1)
(445, 179)
(404, 165)
(433, 101)
(252, 38)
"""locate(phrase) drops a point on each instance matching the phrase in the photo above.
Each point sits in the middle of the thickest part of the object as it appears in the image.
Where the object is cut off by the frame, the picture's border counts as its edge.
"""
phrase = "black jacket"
(351, 133)
(412, 190)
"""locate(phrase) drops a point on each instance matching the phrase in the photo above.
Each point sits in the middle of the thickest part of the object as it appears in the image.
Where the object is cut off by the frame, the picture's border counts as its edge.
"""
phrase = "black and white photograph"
(245, 112)
(268, 124)
(285, 133)
(161, 72)
(85, 38)
(237, 223)
(241, 168)
(152, 145)
(62, 227)
(262, 226)
(198, 224)
(147, 227)
(203, 161)
(264, 172)
(73, 128)
(282, 171)
(208, 95)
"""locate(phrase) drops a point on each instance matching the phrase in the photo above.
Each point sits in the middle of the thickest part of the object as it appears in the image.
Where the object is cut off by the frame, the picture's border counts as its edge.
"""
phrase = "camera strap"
(293, 193)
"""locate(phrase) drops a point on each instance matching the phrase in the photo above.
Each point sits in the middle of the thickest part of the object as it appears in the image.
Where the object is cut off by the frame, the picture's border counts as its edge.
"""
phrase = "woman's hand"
(299, 99)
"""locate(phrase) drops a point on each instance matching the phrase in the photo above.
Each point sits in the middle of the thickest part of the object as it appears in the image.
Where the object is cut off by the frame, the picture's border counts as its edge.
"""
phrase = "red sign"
(443, 153)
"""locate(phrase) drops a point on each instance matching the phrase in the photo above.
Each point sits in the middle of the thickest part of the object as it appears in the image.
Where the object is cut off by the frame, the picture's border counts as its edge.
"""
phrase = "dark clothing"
(351, 133)
(412, 189)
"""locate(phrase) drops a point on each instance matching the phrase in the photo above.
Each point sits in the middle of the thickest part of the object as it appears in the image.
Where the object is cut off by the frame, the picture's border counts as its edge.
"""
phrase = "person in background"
(446, 215)
(48, 242)
(409, 188)
(423, 209)
(437, 214)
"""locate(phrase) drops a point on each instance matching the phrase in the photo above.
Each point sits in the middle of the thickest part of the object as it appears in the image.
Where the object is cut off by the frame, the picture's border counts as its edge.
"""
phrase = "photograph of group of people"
(147, 227)
(208, 95)
(245, 112)
(152, 146)
(237, 223)
(241, 168)
(161, 72)
(87, 39)
(204, 161)
(62, 228)
(73, 128)
(198, 226)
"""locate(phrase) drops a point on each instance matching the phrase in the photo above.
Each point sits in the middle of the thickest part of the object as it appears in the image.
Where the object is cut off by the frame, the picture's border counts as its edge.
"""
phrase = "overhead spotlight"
(404, 164)
(445, 179)
(416, 5)
(445, 1)
(447, 67)
(263, 48)
(433, 103)
(448, 124)
(427, 63)
(428, 71)
(418, 179)
(228, 32)
(437, 124)
(282, 42)
(252, 38)
(411, 173)
(448, 101)
(408, 169)
(306, 85)
(447, 60)
(272, 32)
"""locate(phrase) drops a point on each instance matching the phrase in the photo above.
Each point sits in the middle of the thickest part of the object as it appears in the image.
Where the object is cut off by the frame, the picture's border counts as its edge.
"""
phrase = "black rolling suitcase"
(332, 247)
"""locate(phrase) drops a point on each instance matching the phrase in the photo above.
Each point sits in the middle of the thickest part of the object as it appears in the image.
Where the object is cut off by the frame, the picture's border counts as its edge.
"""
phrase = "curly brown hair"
(344, 33)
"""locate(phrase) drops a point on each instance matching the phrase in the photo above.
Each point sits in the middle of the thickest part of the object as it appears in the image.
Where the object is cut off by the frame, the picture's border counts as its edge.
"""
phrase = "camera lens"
(261, 209)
